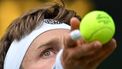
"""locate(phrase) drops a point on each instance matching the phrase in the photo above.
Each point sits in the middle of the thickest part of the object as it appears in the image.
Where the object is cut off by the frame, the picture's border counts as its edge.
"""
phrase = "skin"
(43, 50)
(76, 55)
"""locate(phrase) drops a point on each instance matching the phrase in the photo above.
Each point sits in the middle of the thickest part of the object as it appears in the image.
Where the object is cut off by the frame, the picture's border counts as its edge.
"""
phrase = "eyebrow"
(53, 42)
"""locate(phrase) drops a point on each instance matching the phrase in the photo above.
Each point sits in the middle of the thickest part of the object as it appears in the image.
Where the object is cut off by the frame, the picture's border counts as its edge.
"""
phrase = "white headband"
(18, 49)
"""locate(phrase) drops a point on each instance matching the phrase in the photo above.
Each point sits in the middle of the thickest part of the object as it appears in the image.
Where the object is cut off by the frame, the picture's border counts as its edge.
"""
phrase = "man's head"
(24, 25)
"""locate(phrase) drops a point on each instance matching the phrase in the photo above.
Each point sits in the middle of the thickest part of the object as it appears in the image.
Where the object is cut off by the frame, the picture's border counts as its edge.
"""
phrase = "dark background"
(114, 8)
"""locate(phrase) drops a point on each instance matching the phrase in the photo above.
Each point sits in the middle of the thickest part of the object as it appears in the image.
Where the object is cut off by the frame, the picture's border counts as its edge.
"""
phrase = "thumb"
(74, 34)
(73, 38)
(74, 22)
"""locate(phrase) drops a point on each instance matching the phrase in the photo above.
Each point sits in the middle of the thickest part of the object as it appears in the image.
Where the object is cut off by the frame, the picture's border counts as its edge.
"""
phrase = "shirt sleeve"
(58, 64)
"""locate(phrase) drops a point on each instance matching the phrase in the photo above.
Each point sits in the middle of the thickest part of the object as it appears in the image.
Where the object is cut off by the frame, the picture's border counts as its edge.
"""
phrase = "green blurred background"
(11, 9)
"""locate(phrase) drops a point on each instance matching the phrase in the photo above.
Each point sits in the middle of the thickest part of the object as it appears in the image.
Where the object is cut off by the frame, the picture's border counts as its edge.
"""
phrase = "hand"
(82, 55)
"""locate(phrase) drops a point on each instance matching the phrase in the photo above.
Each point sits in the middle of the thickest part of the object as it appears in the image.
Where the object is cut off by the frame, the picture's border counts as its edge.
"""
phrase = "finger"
(111, 43)
(104, 52)
(69, 42)
(74, 38)
(74, 22)
(86, 49)
(75, 34)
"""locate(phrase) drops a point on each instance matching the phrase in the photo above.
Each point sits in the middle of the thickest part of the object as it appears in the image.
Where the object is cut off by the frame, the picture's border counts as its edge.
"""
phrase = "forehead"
(54, 33)
(58, 34)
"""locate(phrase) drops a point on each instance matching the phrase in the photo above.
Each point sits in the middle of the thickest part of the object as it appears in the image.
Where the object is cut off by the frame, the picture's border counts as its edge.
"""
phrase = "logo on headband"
(51, 21)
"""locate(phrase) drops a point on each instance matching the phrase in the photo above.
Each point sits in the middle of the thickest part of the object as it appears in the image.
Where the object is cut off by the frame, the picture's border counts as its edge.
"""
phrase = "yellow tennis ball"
(97, 25)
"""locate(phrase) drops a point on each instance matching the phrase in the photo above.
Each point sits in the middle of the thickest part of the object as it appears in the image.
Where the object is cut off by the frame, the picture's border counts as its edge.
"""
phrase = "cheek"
(43, 64)
(48, 64)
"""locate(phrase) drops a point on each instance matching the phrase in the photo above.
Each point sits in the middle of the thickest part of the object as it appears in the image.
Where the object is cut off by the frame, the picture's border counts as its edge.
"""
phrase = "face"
(43, 50)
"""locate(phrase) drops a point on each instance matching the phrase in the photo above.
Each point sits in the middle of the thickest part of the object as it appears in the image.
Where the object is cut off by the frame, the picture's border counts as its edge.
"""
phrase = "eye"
(48, 53)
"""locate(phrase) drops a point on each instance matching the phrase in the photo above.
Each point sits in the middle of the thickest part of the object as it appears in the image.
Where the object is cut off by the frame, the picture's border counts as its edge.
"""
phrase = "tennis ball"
(97, 25)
